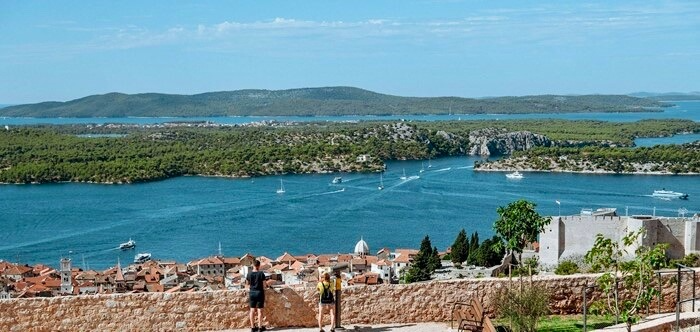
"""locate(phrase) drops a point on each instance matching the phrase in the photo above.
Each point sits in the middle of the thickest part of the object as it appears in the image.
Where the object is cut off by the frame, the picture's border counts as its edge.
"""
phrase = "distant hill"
(673, 96)
(316, 102)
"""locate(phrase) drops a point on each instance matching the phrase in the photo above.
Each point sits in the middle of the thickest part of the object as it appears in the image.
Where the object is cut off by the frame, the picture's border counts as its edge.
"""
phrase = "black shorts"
(257, 299)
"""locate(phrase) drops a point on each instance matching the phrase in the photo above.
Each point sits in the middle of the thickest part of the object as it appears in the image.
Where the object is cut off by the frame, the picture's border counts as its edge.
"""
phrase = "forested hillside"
(317, 102)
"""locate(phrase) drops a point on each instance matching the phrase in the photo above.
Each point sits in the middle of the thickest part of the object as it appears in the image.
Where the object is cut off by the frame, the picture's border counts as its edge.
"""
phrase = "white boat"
(404, 177)
(337, 179)
(281, 189)
(142, 257)
(128, 245)
(667, 194)
(429, 164)
(422, 167)
(381, 182)
(599, 212)
(515, 175)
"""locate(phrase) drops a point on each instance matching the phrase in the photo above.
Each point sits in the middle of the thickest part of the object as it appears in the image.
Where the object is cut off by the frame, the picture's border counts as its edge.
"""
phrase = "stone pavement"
(658, 322)
(397, 327)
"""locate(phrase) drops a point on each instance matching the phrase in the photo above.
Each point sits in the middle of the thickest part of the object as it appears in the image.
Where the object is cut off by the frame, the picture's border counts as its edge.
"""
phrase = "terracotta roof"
(214, 260)
(232, 260)
(286, 258)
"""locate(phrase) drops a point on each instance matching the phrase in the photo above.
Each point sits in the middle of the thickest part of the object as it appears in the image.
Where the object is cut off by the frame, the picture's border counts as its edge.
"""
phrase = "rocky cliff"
(492, 141)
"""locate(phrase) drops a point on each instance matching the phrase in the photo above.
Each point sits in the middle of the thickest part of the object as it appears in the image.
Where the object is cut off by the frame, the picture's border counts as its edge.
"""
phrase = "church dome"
(361, 248)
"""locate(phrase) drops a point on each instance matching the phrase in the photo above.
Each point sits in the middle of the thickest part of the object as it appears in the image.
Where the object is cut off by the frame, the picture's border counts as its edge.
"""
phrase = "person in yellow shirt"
(326, 301)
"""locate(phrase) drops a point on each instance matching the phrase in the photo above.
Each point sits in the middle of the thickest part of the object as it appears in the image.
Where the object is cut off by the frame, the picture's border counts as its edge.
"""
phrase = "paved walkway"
(398, 327)
(655, 322)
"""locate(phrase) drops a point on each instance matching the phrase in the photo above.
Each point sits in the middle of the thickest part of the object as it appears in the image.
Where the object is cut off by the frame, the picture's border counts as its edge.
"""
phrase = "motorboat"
(131, 244)
(668, 194)
(515, 175)
(142, 257)
(337, 179)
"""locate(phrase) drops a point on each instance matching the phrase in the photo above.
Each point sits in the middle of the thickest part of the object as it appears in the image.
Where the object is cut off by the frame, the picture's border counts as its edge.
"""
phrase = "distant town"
(210, 273)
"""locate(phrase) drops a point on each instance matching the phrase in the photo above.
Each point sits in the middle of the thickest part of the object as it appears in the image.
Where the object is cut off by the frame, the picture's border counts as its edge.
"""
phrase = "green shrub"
(566, 268)
(523, 308)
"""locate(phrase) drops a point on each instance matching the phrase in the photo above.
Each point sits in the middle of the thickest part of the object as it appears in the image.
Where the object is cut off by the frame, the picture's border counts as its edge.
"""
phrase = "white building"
(569, 236)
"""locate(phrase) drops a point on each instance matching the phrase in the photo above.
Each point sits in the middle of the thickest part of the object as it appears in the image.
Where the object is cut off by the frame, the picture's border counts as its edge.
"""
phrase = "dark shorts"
(257, 299)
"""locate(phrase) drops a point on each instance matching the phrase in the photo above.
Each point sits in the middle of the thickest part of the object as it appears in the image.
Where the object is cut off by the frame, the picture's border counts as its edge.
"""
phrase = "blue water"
(185, 218)
(683, 110)
(675, 139)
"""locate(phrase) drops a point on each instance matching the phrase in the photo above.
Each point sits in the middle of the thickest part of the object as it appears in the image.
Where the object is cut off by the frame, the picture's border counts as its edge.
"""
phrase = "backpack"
(326, 295)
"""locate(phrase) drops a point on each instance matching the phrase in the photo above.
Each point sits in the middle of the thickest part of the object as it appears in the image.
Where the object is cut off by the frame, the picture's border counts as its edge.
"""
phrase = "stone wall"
(196, 311)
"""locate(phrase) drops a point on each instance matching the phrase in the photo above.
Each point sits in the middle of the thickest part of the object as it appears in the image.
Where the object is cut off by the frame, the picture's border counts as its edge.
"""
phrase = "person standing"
(256, 282)
(326, 301)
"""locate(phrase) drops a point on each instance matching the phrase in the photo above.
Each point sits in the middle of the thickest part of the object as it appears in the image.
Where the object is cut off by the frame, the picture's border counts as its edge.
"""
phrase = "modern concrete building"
(571, 236)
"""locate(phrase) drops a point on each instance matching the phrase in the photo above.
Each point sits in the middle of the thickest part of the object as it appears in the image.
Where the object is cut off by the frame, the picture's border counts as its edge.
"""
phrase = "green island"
(325, 101)
(133, 153)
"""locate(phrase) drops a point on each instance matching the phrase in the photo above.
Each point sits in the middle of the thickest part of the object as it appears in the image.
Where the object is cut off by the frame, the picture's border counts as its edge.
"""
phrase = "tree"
(490, 252)
(459, 248)
(635, 273)
(519, 224)
(422, 266)
(524, 307)
(435, 262)
(473, 248)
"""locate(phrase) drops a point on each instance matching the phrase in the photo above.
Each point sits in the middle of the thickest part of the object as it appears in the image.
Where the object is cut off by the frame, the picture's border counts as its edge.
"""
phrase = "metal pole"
(658, 279)
(585, 328)
(678, 286)
(678, 315)
(694, 291)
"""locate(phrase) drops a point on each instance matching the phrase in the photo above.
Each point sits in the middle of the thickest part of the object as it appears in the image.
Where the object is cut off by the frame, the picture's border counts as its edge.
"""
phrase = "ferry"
(667, 194)
(128, 245)
(515, 175)
(337, 179)
(599, 212)
(142, 257)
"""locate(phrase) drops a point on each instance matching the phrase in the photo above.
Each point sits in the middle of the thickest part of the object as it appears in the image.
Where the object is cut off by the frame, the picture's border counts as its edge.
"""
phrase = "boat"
(281, 189)
(515, 175)
(422, 168)
(337, 179)
(404, 177)
(128, 245)
(599, 212)
(381, 182)
(668, 194)
(142, 257)
(429, 164)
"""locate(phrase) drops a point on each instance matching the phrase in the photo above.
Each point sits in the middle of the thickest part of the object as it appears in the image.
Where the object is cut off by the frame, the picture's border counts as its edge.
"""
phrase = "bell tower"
(66, 277)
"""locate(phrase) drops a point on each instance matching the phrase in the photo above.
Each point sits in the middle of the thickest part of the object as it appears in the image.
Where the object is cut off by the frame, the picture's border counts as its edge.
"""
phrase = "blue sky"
(62, 50)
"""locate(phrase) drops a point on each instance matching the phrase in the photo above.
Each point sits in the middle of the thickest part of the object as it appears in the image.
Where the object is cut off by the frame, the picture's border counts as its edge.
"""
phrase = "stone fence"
(197, 311)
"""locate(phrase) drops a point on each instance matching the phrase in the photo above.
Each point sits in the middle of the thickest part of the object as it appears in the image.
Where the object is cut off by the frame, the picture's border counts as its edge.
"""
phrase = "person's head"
(256, 264)
(326, 276)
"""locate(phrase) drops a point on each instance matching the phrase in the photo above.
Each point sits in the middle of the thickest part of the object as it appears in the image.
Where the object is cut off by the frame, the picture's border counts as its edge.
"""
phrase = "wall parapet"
(289, 307)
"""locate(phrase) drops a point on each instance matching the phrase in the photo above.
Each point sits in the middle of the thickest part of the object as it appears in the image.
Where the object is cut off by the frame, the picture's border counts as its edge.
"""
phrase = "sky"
(63, 50)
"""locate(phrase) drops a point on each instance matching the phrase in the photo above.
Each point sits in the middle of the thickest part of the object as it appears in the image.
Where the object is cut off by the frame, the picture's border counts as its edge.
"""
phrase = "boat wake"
(464, 167)
(443, 169)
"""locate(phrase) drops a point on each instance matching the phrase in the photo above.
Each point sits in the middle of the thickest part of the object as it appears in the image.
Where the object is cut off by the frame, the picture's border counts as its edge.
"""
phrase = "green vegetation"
(40, 154)
(636, 274)
(566, 268)
(573, 323)
(460, 248)
(319, 101)
(522, 307)
(519, 224)
(424, 264)
(675, 159)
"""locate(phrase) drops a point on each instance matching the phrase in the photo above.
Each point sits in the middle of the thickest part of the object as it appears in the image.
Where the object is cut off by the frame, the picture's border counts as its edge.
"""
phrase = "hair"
(256, 263)
(326, 276)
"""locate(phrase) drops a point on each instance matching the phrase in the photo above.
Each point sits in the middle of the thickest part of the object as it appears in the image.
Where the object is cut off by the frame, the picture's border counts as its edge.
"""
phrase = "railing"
(678, 310)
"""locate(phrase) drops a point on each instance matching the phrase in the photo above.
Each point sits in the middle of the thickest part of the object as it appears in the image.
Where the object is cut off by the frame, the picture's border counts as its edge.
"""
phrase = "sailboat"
(381, 182)
(281, 189)
(404, 175)
(430, 165)
(422, 168)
